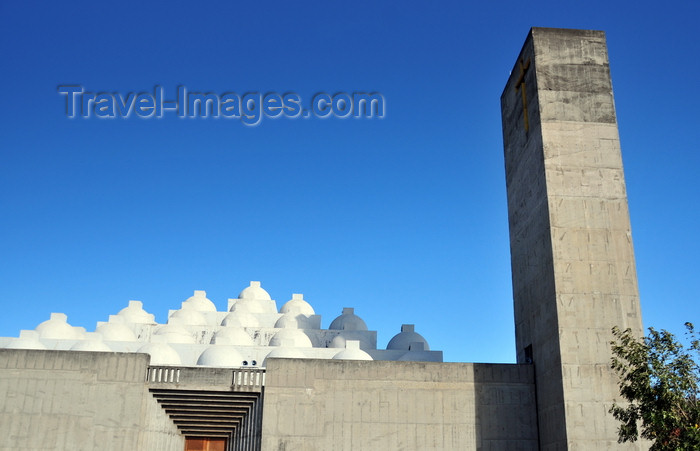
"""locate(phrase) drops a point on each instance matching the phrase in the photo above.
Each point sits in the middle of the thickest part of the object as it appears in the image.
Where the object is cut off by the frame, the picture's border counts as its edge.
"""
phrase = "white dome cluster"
(248, 332)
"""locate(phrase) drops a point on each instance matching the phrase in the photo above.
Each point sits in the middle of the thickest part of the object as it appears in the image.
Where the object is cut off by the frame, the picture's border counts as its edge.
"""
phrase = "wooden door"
(205, 444)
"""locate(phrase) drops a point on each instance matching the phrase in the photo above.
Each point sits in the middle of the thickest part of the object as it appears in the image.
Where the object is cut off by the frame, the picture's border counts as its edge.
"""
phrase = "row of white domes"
(57, 327)
(253, 299)
(252, 302)
(252, 307)
(227, 356)
(216, 355)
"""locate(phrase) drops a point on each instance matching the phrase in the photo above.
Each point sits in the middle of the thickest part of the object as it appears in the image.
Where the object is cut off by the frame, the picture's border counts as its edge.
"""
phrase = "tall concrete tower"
(574, 275)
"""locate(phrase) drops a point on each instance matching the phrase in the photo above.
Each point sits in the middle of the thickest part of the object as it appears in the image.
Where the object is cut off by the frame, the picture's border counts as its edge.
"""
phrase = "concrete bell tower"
(574, 275)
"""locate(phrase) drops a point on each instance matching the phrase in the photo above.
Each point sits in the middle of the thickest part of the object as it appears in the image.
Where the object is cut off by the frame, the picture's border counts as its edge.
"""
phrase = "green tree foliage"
(660, 382)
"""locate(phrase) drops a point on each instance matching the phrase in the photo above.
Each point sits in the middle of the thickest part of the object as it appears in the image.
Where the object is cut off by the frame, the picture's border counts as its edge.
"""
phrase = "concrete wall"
(372, 405)
(58, 400)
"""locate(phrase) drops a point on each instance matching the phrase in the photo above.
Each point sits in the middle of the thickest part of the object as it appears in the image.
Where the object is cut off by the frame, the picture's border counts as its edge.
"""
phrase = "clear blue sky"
(403, 218)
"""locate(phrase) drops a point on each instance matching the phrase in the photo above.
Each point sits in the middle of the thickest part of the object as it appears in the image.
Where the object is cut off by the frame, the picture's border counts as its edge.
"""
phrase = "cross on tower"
(520, 83)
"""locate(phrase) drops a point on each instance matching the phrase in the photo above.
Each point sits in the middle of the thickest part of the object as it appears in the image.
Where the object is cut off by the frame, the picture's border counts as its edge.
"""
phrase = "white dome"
(249, 306)
(284, 353)
(339, 341)
(28, 339)
(403, 340)
(232, 336)
(57, 328)
(292, 338)
(220, 356)
(187, 317)
(161, 354)
(199, 302)
(297, 305)
(114, 331)
(135, 314)
(172, 333)
(240, 319)
(95, 345)
(239, 305)
(352, 354)
(348, 321)
(254, 291)
(352, 351)
(293, 321)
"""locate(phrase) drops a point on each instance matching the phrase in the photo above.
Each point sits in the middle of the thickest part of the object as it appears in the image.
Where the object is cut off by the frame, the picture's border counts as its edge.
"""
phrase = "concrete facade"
(54, 400)
(573, 266)
(68, 400)
(263, 379)
(356, 405)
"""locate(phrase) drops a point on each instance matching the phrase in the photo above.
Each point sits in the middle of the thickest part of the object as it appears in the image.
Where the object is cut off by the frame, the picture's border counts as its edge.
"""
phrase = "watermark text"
(250, 108)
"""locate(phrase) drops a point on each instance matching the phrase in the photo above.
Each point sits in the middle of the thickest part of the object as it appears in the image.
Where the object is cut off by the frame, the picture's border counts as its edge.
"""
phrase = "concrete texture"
(573, 266)
(52, 400)
(374, 405)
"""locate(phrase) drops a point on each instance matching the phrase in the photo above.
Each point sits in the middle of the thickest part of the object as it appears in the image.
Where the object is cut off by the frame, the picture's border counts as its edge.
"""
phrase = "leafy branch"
(659, 378)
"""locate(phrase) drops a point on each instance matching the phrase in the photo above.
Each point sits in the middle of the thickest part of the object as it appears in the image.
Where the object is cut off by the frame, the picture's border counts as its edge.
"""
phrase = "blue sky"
(403, 218)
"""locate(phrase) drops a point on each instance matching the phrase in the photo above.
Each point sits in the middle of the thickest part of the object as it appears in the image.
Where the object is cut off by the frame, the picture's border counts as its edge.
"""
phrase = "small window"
(528, 354)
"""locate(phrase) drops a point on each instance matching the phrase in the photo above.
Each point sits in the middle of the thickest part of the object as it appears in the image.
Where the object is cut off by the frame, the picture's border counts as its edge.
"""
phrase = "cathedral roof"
(187, 317)
(232, 336)
(294, 321)
(57, 328)
(248, 331)
(407, 337)
(254, 291)
(348, 321)
(161, 353)
(220, 356)
(199, 302)
(115, 331)
(297, 305)
(352, 351)
(291, 338)
(134, 313)
(240, 318)
(172, 333)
